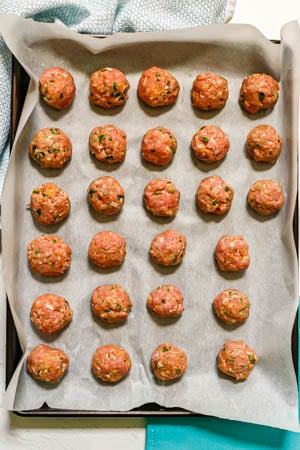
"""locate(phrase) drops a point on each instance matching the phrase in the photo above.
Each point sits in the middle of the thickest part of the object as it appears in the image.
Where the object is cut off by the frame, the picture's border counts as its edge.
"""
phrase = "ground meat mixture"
(57, 87)
(209, 91)
(108, 144)
(111, 303)
(210, 144)
(264, 144)
(166, 301)
(49, 255)
(110, 363)
(161, 197)
(158, 87)
(159, 146)
(214, 195)
(236, 359)
(49, 204)
(47, 364)
(50, 148)
(168, 362)
(108, 88)
(107, 249)
(232, 253)
(168, 248)
(50, 313)
(106, 195)
(231, 306)
(266, 197)
(258, 92)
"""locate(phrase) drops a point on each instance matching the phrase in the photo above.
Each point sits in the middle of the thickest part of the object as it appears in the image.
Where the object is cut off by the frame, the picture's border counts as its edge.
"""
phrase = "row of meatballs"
(108, 88)
(49, 204)
(50, 313)
(111, 363)
(49, 255)
(51, 148)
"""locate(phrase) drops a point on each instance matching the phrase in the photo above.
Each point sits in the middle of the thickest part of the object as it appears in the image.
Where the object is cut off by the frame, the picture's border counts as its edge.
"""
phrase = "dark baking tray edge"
(20, 81)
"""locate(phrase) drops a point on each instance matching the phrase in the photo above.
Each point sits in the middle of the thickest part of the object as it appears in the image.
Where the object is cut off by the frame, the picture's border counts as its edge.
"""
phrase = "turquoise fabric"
(210, 433)
(100, 17)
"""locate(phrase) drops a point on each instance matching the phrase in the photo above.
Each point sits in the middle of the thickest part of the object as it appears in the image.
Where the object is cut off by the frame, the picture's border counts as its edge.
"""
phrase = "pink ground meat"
(166, 301)
(266, 197)
(264, 144)
(258, 92)
(106, 195)
(108, 144)
(49, 255)
(168, 248)
(110, 363)
(50, 148)
(50, 313)
(214, 195)
(159, 146)
(111, 303)
(158, 87)
(168, 362)
(161, 197)
(47, 364)
(232, 253)
(209, 91)
(231, 306)
(57, 87)
(210, 144)
(236, 359)
(49, 204)
(107, 249)
(108, 88)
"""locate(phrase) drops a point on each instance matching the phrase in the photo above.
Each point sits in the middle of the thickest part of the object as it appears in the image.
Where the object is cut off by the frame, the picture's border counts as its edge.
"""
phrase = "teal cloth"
(210, 433)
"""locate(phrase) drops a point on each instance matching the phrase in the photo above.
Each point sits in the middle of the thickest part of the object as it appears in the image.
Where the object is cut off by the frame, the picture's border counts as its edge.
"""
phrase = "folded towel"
(210, 433)
(102, 17)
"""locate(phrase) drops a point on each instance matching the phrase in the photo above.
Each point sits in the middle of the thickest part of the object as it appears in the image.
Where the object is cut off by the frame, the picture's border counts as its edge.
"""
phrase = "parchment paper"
(269, 396)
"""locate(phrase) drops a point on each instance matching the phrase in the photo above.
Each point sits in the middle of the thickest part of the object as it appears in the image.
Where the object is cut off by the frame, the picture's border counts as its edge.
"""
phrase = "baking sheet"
(269, 396)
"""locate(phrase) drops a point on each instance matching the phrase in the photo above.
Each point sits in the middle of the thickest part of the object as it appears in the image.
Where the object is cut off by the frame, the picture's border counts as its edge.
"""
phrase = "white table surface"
(111, 433)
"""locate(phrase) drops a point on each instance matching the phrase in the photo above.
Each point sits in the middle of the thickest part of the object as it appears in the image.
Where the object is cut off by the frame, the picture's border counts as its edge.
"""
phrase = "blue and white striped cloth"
(102, 17)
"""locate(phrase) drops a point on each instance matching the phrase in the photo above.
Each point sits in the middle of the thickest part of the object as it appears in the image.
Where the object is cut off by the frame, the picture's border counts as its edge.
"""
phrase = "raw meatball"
(166, 301)
(159, 146)
(47, 364)
(110, 363)
(168, 248)
(266, 197)
(49, 204)
(111, 303)
(209, 91)
(107, 249)
(50, 148)
(106, 195)
(264, 144)
(57, 87)
(108, 88)
(108, 144)
(231, 306)
(50, 313)
(49, 255)
(157, 87)
(210, 144)
(236, 359)
(258, 92)
(214, 195)
(232, 253)
(168, 362)
(161, 197)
